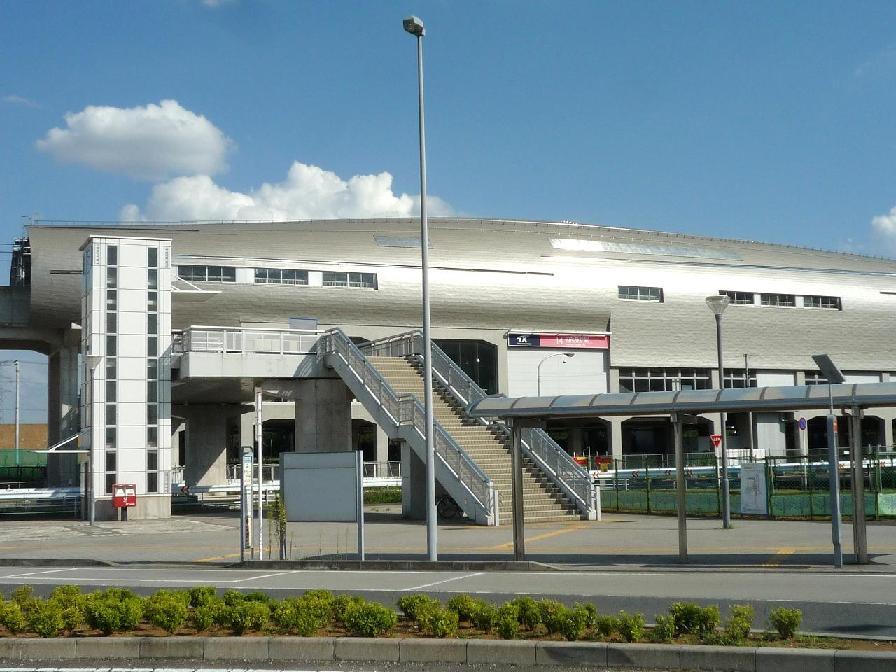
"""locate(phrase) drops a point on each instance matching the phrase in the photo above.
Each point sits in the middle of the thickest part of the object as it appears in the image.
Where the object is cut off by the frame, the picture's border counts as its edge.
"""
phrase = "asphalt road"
(832, 603)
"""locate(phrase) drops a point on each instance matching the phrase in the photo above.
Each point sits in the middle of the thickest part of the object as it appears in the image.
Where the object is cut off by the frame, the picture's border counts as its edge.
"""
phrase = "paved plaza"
(618, 541)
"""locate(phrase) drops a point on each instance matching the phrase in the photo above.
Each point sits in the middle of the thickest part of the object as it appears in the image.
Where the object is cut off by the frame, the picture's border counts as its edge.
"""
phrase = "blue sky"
(761, 120)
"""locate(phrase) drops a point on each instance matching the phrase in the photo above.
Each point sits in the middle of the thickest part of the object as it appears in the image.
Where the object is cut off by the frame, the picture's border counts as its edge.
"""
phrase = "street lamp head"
(414, 26)
(570, 354)
(717, 303)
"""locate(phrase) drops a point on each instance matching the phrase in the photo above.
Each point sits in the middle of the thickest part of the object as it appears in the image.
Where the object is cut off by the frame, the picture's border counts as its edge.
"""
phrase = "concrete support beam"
(206, 450)
(62, 414)
(413, 484)
(323, 416)
(616, 437)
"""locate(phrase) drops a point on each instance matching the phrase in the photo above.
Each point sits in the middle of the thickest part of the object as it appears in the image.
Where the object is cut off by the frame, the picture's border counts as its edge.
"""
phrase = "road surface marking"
(779, 557)
(438, 583)
(537, 537)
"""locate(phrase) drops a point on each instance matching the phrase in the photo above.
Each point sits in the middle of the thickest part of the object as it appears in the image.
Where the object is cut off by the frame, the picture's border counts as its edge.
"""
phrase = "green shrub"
(507, 621)
(45, 618)
(209, 612)
(464, 606)
(264, 598)
(439, 622)
(369, 619)
(571, 623)
(11, 616)
(320, 604)
(71, 601)
(590, 612)
(246, 615)
(341, 603)
(25, 598)
(664, 630)
(606, 626)
(785, 621)
(529, 612)
(232, 597)
(167, 610)
(692, 619)
(550, 614)
(202, 595)
(631, 626)
(291, 616)
(413, 606)
(113, 610)
(737, 628)
(485, 616)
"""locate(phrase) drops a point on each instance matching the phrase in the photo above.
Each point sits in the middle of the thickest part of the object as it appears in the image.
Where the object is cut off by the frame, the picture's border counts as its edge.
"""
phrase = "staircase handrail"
(405, 409)
(536, 443)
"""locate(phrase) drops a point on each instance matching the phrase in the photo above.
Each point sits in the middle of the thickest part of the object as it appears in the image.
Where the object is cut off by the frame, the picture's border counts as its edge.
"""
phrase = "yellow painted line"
(778, 558)
(219, 557)
(537, 537)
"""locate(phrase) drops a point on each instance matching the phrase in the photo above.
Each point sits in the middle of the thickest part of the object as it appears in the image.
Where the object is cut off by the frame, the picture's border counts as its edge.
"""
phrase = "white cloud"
(308, 192)
(13, 99)
(884, 227)
(153, 142)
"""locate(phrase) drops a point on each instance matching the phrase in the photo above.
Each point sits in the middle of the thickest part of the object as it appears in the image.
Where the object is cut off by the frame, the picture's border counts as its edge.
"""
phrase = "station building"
(523, 307)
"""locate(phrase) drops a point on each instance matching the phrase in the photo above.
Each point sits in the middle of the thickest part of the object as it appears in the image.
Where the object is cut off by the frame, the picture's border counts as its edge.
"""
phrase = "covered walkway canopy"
(682, 404)
(756, 399)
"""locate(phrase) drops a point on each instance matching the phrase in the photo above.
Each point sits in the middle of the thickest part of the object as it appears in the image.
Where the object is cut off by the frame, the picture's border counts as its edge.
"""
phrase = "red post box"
(124, 495)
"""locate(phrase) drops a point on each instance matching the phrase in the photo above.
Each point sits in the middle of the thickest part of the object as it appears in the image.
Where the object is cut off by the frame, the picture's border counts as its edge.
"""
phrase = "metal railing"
(382, 470)
(406, 410)
(536, 443)
(261, 341)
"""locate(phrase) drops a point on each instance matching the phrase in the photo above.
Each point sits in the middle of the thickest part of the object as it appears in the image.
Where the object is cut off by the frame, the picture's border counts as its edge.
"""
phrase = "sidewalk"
(620, 541)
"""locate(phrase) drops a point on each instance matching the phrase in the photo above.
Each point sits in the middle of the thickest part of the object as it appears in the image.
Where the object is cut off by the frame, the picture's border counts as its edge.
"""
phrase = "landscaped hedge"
(68, 611)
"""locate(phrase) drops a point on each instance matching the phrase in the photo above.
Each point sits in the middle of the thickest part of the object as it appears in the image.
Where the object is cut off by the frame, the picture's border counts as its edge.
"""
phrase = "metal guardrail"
(406, 410)
(536, 443)
(261, 341)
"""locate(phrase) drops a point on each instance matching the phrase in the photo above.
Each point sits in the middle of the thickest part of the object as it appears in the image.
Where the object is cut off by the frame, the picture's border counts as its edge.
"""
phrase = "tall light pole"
(538, 368)
(414, 26)
(717, 304)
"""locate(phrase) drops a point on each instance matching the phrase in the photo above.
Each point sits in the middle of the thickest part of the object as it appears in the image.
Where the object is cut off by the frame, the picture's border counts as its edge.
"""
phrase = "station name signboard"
(555, 340)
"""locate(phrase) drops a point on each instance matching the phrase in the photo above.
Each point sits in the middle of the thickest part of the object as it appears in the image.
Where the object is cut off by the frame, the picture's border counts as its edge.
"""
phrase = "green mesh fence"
(26, 458)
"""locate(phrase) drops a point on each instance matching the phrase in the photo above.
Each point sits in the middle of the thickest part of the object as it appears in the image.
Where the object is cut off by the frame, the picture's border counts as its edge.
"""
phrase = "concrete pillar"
(413, 484)
(62, 414)
(616, 437)
(888, 432)
(382, 445)
(323, 416)
(576, 443)
(206, 451)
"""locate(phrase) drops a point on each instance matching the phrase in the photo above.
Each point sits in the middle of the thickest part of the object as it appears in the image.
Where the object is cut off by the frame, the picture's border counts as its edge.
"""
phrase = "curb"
(474, 651)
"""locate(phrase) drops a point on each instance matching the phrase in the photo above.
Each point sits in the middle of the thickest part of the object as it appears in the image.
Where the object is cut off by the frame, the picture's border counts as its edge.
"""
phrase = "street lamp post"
(538, 368)
(414, 26)
(717, 304)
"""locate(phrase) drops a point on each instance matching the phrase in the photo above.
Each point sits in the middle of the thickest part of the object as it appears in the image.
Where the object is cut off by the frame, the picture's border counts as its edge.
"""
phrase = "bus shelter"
(852, 399)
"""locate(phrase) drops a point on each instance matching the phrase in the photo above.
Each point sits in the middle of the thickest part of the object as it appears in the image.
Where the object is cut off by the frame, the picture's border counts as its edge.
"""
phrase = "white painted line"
(438, 583)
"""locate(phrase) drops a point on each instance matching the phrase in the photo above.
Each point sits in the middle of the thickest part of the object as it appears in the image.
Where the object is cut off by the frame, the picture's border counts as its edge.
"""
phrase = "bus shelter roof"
(757, 399)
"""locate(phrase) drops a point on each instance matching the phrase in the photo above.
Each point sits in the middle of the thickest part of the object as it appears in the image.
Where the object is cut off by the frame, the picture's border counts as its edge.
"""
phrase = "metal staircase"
(555, 486)
(402, 417)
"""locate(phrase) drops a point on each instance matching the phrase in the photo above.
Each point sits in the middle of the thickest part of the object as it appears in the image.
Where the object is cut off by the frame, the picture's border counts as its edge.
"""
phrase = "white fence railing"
(261, 341)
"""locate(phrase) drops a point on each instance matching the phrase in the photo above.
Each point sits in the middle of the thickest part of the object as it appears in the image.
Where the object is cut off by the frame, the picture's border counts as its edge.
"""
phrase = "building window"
(152, 257)
(111, 323)
(152, 437)
(152, 278)
(152, 471)
(111, 391)
(152, 301)
(739, 298)
(111, 277)
(152, 323)
(281, 276)
(663, 380)
(739, 378)
(364, 280)
(815, 378)
(111, 467)
(826, 302)
(631, 293)
(152, 391)
(780, 300)
(110, 437)
(112, 255)
(207, 273)
(111, 345)
(111, 299)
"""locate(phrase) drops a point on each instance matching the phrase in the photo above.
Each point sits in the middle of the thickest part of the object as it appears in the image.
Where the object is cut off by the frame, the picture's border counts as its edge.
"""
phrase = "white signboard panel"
(753, 489)
(320, 487)
(584, 373)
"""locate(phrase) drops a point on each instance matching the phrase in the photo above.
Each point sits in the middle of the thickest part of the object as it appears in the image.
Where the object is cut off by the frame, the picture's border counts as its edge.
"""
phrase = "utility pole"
(17, 413)
(750, 445)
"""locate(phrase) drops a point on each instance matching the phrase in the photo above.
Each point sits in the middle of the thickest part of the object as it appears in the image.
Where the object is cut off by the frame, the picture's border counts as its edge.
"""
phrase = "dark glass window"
(152, 437)
(152, 257)
(152, 460)
(826, 302)
(111, 414)
(152, 346)
(152, 301)
(152, 323)
(112, 255)
(478, 359)
(152, 369)
(110, 460)
(739, 298)
(152, 391)
(111, 368)
(111, 345)
(111, 323)
(644, 379)
(738, 378)
(152, 481)
(634, 293)
(110, 483)
(111, 277)
(110, 391)
(281, 276)
(110, 437)
(152, 278)
(152, 414)
(111, 299)
(781, 300)
(336, 279)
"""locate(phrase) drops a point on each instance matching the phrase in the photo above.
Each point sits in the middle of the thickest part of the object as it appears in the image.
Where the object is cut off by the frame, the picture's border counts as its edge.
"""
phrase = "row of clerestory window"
(278, 276)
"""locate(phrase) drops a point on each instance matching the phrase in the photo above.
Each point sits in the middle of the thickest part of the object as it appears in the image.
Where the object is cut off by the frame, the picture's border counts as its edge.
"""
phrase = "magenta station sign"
(555, 340)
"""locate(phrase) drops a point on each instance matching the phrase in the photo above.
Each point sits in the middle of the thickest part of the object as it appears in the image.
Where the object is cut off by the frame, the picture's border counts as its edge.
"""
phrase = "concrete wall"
(323, 416)
(206, 454)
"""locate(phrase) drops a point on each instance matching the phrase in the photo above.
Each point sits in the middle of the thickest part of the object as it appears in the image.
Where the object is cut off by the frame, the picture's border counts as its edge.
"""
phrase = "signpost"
(716, 440)
(246, 503)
